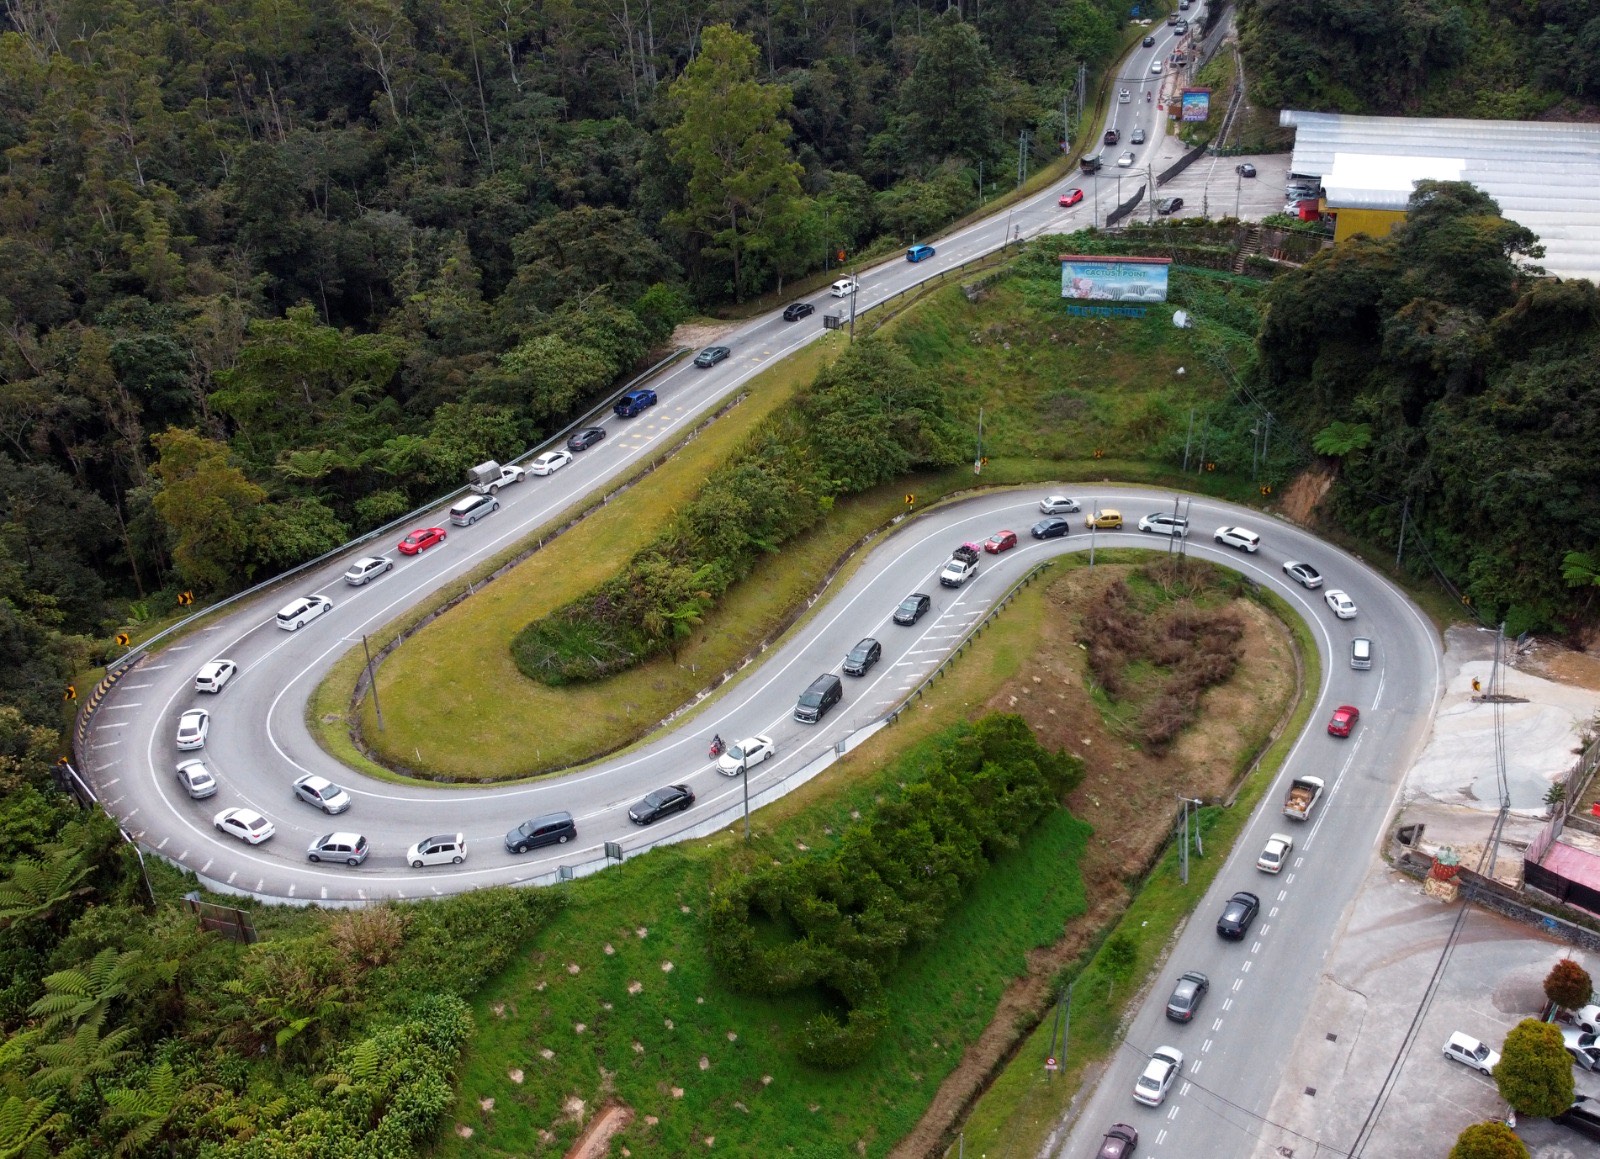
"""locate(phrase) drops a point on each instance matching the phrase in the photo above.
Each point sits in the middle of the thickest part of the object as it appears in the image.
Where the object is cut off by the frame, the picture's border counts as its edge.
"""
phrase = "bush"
(1535, 1073)
(866, 419)
(1491, 1140)
(1568, 985)
(839, 922)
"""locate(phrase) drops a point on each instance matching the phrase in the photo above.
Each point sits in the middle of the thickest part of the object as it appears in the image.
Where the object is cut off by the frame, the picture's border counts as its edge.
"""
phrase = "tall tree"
(948, 102)
(207, 505)
(730, 135)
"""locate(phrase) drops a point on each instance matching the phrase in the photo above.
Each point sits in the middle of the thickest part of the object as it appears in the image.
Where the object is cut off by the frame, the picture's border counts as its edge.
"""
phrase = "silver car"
(363, 570)
(196, 780)
(1058, 505)
(322, 793)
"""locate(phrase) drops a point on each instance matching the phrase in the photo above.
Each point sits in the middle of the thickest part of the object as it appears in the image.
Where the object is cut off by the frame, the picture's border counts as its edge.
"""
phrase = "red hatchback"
(1071, 197)
(1344, 719)
(421, 539)
(1000, 541)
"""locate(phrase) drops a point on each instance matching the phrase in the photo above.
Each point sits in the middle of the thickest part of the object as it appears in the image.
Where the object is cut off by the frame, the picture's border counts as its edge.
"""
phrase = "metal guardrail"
(117, 668)
(973, 632)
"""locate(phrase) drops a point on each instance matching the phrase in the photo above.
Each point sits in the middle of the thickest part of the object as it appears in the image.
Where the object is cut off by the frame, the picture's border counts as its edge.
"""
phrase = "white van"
(843, 288)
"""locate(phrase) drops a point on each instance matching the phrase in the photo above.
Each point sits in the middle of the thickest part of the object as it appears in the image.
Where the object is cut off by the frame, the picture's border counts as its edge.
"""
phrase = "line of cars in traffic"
(1239, 912)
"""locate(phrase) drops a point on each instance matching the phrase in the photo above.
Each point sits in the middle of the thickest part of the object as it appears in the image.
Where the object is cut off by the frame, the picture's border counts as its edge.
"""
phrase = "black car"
(1245, 169)
(586, 438)
(795, 311)
(1052, 528)
(912, 608)
(1187, 995)
(1583, 1117)
(672, 799)
(1148, 41)
(1169, 205)
(548, 829)
(863, 656)
(711, 355)
(1237, 915)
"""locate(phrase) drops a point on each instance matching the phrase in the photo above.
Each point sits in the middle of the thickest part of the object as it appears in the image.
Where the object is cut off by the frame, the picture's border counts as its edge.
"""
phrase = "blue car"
(917, 252)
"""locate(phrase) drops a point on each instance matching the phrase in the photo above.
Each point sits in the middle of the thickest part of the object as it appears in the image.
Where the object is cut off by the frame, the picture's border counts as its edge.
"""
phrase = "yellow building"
(1542, 174)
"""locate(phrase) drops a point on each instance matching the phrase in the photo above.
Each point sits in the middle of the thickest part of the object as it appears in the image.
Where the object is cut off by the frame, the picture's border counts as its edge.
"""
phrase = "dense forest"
(1460, 397)
(1503, 59)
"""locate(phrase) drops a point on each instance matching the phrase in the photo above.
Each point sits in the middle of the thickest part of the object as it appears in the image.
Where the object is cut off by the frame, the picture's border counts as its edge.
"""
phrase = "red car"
(1071, 197)
(1000, 541)
(1344, 719)
(421, 539)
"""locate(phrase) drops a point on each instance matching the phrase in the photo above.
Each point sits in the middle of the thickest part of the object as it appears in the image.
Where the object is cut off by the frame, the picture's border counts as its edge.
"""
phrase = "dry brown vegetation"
(1164, 651)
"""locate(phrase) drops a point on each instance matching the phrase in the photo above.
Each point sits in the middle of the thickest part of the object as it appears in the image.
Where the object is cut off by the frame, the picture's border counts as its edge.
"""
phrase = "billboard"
(1196, 105)
(1113, 280)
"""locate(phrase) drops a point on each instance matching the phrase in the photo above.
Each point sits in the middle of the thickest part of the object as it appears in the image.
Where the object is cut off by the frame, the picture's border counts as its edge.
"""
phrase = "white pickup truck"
(488, 478)
(963, 566)
(1303, 793)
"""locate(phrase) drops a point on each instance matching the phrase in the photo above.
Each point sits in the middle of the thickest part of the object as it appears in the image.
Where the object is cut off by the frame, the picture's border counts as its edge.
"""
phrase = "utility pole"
(372, 681)
(1022, 157)
(1400, 549)
(1189, 438)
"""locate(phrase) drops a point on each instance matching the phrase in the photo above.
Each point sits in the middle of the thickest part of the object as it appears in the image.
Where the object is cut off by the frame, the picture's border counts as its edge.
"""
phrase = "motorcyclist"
(716, 745)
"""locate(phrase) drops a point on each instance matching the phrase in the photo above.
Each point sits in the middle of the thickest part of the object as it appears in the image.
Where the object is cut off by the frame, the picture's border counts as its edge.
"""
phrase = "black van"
(815, 701)
(550, 829)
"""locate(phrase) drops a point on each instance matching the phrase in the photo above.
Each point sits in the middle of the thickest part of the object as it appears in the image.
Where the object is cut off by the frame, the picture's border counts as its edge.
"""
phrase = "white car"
(1587, 1017)
(214, 675)
(1163, 524)
(1242, 538)
(1155, 67)
(1468, 1051)
(1343, 606)
(1273, 857)
(365, 569)
(446, 849)
(1124, 96)
(1163, 1069)
(1125, 161)
(1583, 1046)
(192, 728)
(245, 824)
(752, 750)
(300, 613)
(844, 287)
(1303, 574)
(322, 793)
(550, 462)
(1057, 505)
(196, 780)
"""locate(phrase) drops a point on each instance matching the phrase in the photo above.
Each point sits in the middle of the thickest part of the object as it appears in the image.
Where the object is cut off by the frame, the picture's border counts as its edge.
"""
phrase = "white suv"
(300, 613)
(214, 675)
(1163, 524)
(446, 849)
(1242, 538)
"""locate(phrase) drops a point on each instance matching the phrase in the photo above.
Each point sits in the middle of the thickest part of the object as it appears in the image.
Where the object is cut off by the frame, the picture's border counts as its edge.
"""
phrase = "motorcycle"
(717, 746)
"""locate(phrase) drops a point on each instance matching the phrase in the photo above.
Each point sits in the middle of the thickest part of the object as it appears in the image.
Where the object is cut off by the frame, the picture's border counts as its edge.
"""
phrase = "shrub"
(868, 418)
(1535, 1073)
(839, 922)
(1491, 1140)
(1568, 985)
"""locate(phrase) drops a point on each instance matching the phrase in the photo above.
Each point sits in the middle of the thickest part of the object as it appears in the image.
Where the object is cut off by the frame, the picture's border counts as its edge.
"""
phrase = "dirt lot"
(1127, 795)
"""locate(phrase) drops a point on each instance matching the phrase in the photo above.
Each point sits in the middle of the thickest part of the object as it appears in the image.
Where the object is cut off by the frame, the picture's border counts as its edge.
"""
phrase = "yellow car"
(1106, 520)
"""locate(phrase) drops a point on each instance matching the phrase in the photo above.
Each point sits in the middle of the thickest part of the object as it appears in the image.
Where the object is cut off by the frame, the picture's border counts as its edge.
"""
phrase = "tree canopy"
(1457, 391)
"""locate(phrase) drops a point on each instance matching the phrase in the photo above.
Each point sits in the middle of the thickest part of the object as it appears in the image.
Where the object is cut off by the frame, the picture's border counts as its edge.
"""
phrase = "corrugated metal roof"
(1545, 175)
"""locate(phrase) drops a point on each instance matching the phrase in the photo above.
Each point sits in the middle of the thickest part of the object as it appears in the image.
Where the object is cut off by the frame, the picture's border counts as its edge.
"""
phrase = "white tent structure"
(1545, 175)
